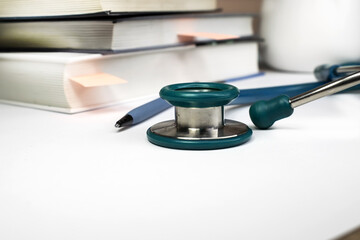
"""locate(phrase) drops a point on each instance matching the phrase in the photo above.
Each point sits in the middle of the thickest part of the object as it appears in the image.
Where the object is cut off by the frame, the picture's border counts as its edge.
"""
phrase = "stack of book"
(70, 57)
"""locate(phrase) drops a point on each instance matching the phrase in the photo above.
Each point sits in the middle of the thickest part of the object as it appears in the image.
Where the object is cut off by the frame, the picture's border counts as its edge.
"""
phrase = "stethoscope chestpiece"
(199, 118)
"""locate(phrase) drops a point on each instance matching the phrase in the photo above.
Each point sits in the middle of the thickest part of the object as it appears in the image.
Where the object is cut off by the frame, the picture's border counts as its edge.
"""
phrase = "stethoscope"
(200, 122)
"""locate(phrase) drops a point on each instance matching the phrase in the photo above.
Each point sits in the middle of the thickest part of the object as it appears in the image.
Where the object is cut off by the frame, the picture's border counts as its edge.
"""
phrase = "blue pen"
(143, 112)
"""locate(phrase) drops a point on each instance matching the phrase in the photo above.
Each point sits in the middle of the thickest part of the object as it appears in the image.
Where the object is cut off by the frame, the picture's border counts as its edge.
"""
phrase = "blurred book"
(73, 82)
(50, 8)
(118, 34)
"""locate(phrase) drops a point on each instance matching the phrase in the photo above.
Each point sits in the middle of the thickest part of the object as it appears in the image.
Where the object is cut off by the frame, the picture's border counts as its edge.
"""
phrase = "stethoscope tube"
(324, 74)
(249, 96)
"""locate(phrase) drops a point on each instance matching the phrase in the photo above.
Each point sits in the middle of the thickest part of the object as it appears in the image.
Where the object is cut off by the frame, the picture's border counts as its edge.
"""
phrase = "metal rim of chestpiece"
(199, 118)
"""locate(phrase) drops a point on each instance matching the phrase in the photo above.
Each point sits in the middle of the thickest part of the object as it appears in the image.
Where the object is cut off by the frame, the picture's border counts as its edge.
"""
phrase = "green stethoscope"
(200, 124)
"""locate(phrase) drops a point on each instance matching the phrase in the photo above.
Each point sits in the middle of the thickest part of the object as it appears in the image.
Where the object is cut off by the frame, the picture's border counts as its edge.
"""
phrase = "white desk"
(77, 177)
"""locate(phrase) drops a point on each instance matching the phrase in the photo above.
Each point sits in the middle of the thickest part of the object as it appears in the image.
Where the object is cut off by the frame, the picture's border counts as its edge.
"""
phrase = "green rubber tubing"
(265, 113)
(195, 144)
(199, 94)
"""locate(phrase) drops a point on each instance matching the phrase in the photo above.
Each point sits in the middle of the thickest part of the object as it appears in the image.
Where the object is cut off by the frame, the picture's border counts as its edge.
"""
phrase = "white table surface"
(77, 177)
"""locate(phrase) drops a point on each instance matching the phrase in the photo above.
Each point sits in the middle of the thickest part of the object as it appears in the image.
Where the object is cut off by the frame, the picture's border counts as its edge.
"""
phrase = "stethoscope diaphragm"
(199, 122)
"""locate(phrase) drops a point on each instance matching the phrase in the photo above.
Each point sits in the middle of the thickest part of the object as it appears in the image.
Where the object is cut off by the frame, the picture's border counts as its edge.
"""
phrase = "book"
(50, 8)
(74, 82)
(121, 34)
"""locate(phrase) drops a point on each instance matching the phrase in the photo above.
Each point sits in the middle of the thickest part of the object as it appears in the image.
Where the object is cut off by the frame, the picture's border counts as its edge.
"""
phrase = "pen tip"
(124, 121)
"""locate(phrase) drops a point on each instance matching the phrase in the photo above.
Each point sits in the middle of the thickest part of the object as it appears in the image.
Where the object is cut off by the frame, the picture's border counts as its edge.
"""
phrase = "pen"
(158, 105)
(143, 112)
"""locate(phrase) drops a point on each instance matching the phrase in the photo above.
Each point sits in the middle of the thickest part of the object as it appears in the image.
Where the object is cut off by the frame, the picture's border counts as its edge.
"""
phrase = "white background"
(77, 177)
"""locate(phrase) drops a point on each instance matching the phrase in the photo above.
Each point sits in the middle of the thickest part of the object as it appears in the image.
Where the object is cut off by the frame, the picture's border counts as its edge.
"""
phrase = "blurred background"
(300, 35)
(242, 6)
(252, 6)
